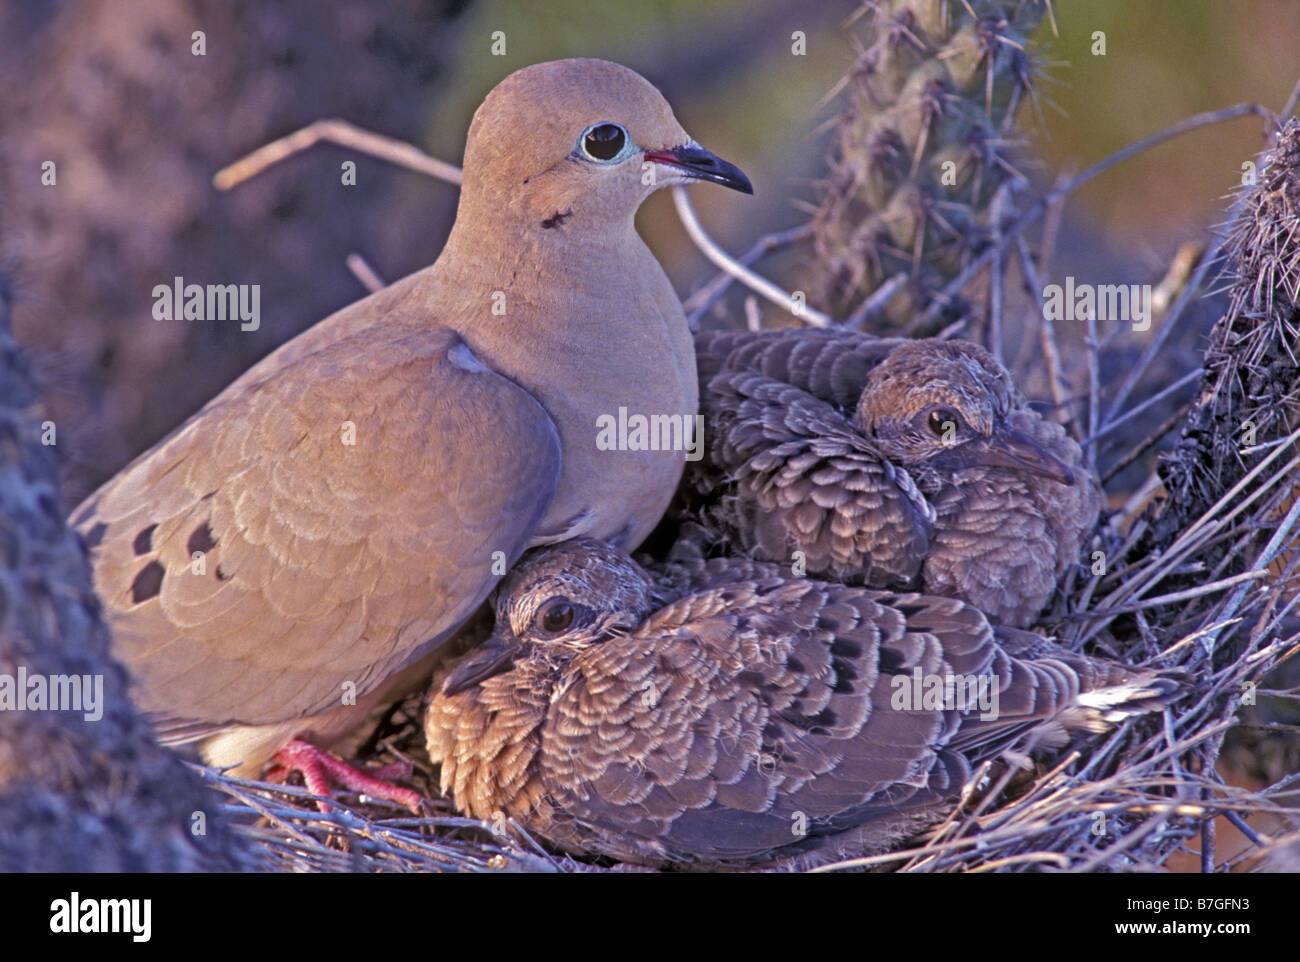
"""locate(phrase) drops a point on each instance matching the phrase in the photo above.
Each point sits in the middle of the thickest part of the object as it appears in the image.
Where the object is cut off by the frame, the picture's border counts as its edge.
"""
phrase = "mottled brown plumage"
(724, 715)
(888, 462)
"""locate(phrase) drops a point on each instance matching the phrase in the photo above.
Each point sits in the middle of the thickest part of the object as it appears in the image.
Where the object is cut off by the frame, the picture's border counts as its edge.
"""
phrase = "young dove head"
(556, 602)
(941, 407)
(574, 143)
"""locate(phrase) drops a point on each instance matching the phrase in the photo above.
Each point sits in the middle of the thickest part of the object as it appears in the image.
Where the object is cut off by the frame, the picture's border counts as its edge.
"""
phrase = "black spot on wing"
(824, 719)
(798, 718)
(201, 540)
(891, 661)
(843, 648)
(147, 583)
(143, 542)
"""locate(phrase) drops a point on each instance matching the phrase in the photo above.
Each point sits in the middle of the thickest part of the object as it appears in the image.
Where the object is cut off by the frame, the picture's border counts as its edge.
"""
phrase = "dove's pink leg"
(318, 766)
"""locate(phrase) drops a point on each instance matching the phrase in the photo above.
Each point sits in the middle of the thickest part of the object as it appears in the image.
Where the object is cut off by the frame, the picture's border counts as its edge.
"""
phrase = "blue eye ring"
(604, 143)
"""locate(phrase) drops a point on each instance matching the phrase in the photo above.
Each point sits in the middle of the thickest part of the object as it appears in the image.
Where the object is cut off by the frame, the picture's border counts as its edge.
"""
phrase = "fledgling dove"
(727, 716)
(896, 463)
(318, 528)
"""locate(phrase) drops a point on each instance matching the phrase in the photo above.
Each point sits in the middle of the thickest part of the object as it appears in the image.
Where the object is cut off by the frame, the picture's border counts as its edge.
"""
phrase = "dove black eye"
(556, 615)
(940, 418)
(604, 141)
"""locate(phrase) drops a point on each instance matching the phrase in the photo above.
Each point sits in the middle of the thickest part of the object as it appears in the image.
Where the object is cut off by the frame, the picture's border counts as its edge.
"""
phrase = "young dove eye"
(555, 616)
(943, 422)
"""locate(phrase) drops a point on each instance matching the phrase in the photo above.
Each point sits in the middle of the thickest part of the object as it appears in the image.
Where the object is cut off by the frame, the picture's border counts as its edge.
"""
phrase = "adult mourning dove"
(752, 719)
(891, 462)
(327, 520)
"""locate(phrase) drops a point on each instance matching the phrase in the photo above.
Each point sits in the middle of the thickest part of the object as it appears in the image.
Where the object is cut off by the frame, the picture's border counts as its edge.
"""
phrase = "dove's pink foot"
(318, 766)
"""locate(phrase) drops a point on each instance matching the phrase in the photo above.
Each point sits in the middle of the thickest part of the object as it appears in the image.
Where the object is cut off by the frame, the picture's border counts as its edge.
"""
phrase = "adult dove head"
(945, 406)
(557, 601)
(574, 143)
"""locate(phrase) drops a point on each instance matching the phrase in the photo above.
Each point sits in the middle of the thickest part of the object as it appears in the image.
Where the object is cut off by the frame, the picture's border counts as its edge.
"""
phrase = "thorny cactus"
(921, 149)
(1251, 383)
(1244, 411)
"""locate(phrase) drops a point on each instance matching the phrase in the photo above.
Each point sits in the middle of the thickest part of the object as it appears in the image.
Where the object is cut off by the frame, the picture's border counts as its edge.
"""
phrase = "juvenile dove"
(322, 524)
(890, 462)
(727, 716)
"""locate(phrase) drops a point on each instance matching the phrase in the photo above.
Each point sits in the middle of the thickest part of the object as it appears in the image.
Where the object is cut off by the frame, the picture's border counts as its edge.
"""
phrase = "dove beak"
(700, 164)
(1013, 449)
(494, 656)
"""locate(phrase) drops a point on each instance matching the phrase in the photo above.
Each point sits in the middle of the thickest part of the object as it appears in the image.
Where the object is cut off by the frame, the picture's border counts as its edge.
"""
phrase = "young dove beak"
(293, 554)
